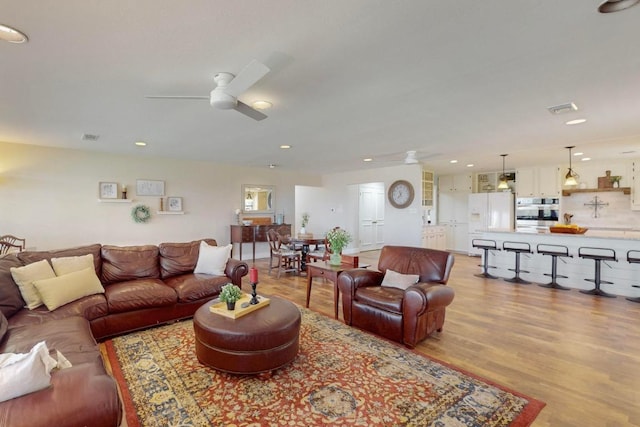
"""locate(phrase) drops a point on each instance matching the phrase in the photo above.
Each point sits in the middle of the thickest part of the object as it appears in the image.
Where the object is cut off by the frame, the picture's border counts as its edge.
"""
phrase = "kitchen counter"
(621, 273)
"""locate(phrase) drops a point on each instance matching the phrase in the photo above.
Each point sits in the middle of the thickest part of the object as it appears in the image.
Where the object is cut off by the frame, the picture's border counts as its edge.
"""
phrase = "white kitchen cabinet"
(434, 237)
(543, 181)
(457, 235)
(455, 183)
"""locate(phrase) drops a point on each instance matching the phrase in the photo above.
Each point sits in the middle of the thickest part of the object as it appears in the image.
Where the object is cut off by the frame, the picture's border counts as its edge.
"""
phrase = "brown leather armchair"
(404, 315)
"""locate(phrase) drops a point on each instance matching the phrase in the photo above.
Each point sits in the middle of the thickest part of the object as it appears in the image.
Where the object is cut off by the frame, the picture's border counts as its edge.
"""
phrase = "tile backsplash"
(614, 213)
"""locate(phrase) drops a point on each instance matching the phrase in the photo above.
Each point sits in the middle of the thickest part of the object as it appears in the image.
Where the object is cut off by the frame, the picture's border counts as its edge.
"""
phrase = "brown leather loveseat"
(144, 286)
(404, 315)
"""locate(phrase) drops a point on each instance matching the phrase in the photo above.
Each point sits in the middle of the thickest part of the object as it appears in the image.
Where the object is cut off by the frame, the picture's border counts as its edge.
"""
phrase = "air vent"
(89, 137)
(563, 108)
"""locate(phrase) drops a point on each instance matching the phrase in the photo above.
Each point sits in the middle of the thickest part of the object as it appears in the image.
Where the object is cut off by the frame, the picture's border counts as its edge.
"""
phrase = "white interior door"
(371, 210)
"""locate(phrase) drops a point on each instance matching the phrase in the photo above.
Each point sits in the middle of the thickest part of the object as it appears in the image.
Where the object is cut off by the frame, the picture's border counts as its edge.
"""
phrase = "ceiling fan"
(229, 87)
(411, 157)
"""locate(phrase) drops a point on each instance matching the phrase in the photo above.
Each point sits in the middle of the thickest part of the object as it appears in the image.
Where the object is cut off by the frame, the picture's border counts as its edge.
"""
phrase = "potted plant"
(305, 221)
(230, 293)
(338, 239)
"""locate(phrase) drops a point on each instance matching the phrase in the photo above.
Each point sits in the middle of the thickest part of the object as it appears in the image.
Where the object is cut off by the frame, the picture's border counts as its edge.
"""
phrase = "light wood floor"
(578, 353)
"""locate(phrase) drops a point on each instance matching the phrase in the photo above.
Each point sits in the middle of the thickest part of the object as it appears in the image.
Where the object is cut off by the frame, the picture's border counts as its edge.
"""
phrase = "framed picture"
(147, 187)
(108, 190)
(174, 204)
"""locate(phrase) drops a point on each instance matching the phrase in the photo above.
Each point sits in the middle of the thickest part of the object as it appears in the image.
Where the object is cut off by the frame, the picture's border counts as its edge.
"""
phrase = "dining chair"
(288, 260)
(9, 243)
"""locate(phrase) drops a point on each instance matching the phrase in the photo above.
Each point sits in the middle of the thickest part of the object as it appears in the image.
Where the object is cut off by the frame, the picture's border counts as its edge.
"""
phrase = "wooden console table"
(255, 233)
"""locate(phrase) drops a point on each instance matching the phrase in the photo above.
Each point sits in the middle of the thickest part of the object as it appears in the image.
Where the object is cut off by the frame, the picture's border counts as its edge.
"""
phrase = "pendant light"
(503, 185)
(570, 177)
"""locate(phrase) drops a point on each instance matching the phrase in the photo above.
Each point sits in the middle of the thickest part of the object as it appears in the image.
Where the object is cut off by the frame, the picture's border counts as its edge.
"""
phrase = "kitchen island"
(621, 273)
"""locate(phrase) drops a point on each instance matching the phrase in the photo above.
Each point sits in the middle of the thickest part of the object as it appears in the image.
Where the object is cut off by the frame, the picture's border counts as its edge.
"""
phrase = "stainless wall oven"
(536, 214)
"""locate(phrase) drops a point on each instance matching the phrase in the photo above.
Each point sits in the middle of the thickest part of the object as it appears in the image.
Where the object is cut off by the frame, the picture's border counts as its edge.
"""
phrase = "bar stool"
(598, 255)
(554, 251)
(518, 248)
(633, 257)
(486, 246)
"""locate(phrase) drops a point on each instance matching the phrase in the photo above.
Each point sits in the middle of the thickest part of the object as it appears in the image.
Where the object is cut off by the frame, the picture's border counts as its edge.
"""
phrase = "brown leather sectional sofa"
(144, 286)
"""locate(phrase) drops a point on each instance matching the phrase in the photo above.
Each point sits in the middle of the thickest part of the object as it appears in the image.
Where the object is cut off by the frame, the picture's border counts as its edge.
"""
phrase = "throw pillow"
(62, 290)
(394, 279)
(212, 259)
(24, 278)
(23, 373)
(66, 265)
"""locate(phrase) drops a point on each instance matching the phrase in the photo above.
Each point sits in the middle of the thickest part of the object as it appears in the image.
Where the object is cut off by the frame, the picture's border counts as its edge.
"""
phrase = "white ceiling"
(461, 79)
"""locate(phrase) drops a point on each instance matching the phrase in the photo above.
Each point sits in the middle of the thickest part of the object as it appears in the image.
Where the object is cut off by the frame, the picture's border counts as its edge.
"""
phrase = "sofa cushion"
(26, 275)
(180, 258)
(90, 308)
(397, 280)
(10, 299)
(212, 259)
(61, 290)
(69, 264)
(124, 263)
(3, 325)
(139, 294)
(193, 287)
(384, 298)
(27, 257)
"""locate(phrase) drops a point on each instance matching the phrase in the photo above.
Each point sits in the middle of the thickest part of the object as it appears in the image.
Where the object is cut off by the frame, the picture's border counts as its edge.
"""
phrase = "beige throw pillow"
(69, 264)
(61, 290)
(212, 259)
(394, 279)
(24, 278)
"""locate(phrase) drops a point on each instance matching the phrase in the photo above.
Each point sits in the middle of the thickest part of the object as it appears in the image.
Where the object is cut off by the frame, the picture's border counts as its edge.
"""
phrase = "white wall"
(402, 226)
(49, 196)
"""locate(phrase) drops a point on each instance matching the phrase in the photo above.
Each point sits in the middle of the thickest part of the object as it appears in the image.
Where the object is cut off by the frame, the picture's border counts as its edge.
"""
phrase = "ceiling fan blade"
(174, 97)
(248, 111)
(249, 75)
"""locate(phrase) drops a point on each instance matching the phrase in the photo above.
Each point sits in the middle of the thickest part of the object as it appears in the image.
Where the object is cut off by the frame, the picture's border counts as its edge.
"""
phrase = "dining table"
(305, 243)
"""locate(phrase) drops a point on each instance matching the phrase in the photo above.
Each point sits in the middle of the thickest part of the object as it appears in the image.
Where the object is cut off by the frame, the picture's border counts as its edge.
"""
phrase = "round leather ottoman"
(260, 341)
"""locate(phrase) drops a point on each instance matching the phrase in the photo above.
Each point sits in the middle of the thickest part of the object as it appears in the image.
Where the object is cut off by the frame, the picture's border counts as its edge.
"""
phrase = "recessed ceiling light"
(611, 6)
(470, 165)
(453, 161)
(368, 159)
(285, 146)
(579, 153)
(140, 143)
(12, 35)
(585, 159)
(576, 121)
(262, 105)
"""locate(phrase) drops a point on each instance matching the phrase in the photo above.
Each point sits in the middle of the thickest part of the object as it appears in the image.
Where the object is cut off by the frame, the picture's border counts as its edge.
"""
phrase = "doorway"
(371, 216)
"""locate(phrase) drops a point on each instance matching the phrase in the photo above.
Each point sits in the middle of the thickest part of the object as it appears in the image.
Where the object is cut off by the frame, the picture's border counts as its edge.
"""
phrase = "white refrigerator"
(489, 211)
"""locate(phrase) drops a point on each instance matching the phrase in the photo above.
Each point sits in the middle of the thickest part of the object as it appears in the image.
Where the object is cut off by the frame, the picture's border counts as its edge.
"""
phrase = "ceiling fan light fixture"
(12, 35)
(503, 184)
(611, 6)
(262, 105)
(570, 177)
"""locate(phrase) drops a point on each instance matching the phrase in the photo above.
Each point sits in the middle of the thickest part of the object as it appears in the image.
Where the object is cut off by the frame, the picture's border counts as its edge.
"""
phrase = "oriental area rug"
(341, 377)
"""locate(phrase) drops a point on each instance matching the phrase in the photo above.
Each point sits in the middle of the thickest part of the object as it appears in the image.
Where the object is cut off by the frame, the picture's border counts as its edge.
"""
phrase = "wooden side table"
(331, 273)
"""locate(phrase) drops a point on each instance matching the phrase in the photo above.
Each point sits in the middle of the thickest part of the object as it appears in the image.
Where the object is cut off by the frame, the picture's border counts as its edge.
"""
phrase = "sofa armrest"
(423, 297)
(235, 270)
(423, 310)
(349, 281)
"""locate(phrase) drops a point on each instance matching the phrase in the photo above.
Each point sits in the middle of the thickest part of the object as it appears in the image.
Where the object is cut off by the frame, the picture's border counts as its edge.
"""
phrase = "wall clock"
(400, 194)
